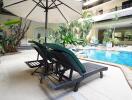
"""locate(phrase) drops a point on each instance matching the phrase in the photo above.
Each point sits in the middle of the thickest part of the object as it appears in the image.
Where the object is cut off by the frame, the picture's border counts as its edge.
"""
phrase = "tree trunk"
(21, 31)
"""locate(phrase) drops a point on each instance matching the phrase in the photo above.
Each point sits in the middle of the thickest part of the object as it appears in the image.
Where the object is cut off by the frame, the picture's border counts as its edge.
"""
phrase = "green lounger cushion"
(70, 55)
(46, 52)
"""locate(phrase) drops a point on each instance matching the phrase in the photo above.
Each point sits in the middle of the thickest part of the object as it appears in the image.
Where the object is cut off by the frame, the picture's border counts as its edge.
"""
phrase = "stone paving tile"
(126, 70)
(128, 75)
(130, 82)
(16, 83)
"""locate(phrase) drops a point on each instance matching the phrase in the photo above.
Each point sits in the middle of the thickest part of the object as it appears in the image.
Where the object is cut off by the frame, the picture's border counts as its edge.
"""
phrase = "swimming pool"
(117, 57)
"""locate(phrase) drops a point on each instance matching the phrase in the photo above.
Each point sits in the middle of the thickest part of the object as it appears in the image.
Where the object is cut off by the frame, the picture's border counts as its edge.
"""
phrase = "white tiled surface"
(16, 83)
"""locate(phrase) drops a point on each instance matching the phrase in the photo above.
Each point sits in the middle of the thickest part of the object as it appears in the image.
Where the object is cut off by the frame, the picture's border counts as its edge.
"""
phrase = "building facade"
(111, 14)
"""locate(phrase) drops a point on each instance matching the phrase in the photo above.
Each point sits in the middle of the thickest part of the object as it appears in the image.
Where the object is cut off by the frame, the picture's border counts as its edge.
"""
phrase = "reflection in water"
(119, 57)
(89, 53)
(108, 54)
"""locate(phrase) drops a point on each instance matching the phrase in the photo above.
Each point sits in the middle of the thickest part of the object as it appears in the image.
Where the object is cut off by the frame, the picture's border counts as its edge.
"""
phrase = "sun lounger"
(69, 62)
(67, 70)
(45, 61)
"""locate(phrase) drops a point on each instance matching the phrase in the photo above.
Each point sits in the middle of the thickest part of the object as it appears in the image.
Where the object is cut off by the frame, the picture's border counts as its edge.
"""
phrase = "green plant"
(108, 33)
(108, 37)
(63, 35)
(1, 49)
(86, 14)
(72, 33)
(66, 35)
(13, 22)
(14, 31)
(115, 41)
(1, 42)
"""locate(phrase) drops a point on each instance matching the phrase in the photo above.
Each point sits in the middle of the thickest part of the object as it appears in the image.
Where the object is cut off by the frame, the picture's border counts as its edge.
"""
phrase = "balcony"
(121, 11)
(92, 3)
(116, 8)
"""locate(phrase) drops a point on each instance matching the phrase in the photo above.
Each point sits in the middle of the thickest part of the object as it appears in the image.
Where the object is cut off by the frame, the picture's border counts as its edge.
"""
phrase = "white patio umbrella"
(45, 11)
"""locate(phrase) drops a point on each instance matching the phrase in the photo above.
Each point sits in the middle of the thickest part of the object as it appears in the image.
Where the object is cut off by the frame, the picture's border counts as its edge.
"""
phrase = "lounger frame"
(61, 73)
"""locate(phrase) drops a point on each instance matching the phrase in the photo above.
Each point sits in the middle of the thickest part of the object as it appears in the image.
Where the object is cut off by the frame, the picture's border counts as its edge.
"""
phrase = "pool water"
(118, 57)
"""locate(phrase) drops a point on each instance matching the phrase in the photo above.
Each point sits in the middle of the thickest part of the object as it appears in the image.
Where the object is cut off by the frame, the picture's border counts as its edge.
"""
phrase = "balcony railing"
(116, 8)
(90, 3)
(114, 14)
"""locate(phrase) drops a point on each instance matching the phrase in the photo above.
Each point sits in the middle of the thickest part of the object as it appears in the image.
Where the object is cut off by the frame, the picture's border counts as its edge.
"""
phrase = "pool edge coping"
(111, 64)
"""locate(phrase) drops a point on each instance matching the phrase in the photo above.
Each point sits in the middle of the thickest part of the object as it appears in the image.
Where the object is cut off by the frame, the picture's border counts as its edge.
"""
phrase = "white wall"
(33, 27)
(106, 6)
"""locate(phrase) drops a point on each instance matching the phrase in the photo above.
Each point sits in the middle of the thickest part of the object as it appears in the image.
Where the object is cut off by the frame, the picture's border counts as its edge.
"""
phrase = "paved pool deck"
(16, 83)
(127, 71)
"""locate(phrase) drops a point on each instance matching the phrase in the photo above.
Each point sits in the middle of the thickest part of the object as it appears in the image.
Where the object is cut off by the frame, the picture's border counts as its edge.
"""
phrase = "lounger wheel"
(101, 74)
(76, 87)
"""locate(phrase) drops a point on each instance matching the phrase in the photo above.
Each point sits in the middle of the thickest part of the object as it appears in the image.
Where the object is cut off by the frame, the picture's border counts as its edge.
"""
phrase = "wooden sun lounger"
(68, 70)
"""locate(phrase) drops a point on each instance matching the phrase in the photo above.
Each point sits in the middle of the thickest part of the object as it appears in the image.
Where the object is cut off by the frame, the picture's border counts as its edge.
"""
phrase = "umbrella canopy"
(45, 11)
(59, 11)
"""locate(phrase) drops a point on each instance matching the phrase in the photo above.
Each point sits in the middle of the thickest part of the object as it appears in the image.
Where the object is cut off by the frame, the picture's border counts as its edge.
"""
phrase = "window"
(128, 36)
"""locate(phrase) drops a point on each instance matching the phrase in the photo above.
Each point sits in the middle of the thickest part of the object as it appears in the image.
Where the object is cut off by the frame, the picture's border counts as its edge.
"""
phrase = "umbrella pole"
(45, 70)
(46, 20)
